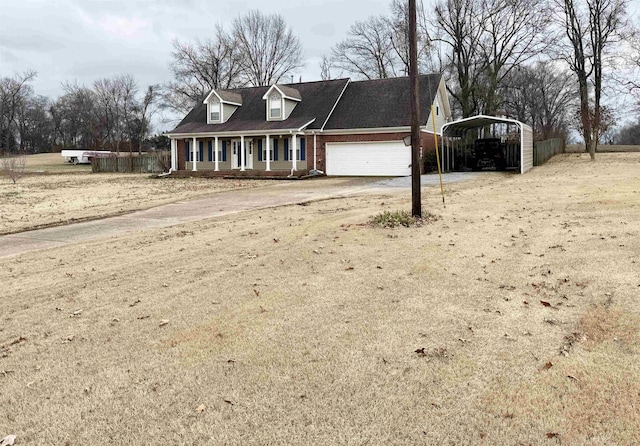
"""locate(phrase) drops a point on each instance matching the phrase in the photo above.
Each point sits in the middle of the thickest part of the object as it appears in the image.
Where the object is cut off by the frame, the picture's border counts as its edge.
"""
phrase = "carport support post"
(416, 199)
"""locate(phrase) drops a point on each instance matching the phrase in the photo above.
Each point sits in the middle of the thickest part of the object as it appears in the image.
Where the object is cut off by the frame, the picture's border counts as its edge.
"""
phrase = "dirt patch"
(305, 325)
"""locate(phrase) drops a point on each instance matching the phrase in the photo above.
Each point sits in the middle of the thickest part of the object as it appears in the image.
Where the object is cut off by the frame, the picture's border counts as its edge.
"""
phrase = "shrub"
(430, 162)
(393, 219)
(13, 166)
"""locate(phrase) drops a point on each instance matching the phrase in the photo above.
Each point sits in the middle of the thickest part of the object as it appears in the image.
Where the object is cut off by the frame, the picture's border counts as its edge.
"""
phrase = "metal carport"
(458, 129)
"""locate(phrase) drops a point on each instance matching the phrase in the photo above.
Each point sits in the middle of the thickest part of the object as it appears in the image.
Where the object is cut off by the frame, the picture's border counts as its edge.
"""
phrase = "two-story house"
(338, 127)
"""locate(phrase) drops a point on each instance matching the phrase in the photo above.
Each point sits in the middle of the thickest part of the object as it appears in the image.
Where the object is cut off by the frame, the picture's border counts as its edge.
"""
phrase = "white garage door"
(388, 158)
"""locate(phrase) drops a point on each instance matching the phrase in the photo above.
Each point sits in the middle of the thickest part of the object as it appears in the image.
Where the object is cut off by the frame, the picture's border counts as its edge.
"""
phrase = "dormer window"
(275, 106)
(215, 110)
(221, 105)
(280, 100)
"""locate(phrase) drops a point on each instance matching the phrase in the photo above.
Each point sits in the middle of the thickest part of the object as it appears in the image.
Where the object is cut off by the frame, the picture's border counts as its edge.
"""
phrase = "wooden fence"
(544, 150)
(156, 162)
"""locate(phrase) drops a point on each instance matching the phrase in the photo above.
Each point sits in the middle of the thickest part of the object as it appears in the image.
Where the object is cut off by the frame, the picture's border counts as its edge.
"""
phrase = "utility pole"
(416, 200)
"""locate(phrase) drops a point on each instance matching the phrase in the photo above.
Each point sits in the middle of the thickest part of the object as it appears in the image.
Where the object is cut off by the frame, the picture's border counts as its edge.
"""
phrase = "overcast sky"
(84, 40)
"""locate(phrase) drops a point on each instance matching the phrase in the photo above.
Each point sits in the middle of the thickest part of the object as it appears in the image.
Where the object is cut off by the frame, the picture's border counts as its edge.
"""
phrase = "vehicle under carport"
(486, 141)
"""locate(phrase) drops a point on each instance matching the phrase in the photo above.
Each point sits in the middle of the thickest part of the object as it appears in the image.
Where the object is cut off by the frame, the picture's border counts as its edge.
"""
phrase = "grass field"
(513, 319)
(54, 193)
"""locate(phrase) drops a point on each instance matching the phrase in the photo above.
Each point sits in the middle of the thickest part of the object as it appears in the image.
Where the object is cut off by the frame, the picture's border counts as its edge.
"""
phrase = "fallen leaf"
(163, 322)
(349, 268)
(9, 440)
(553, 435)
(547, 366)
(201, 408)
(545, 303)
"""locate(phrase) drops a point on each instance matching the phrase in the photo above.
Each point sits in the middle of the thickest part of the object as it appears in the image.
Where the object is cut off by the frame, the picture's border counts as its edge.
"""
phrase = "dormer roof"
(286, 92)
(224, 96)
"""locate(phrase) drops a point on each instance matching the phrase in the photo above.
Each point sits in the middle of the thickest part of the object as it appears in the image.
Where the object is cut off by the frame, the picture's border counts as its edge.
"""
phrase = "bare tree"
(198, 68)
(145, 111)
(268, 48)
(378, 47)
(458, 23)
(325, 68)
(398, 30)
(591, 28)
(77, 118)
(368, 51)
(541, 95)
(35, 125)
(487, 39)
(14, 92)
(13, 166)
(512, 33)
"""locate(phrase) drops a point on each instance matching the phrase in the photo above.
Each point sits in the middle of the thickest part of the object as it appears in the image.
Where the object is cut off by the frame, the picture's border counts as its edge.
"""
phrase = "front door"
(236, 157)
(248, 152)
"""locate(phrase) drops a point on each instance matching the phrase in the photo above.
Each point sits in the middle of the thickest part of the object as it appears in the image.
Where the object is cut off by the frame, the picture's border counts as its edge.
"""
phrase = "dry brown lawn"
(55, 193)
(512, 320)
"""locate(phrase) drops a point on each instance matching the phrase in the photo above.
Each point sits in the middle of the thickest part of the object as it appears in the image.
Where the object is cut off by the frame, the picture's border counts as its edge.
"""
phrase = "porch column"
(174, 155)
(315, 155)
(195, 154)
(215, 153)
(294, 147)
(268, 154)
(243, 158)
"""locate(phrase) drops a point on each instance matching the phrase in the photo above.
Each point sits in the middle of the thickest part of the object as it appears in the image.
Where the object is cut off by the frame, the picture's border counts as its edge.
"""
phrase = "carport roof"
(457, 128)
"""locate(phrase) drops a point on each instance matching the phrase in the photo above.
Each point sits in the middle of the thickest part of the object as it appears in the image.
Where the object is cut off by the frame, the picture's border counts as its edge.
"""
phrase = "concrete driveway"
(215, 205)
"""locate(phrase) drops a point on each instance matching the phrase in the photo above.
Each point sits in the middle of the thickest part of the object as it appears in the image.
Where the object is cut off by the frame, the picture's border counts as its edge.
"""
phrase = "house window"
(275, 106)
(437, 110)
(264, 151)
(215, 110)
(300, 148)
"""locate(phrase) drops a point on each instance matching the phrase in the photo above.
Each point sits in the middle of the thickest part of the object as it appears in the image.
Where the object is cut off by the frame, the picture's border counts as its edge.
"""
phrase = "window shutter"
(210, 150)
(286, 149)
(303, 143)
(275, 150)
(201, 151)
(224, 151)
(186, 151)
(260, 150)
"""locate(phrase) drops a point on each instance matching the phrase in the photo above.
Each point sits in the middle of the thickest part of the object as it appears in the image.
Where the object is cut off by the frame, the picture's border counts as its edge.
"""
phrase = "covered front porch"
(244, 154)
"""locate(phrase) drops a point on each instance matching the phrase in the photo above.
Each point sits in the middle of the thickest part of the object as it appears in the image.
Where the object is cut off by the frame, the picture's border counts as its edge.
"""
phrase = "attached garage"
(387, 158)
(464, 138)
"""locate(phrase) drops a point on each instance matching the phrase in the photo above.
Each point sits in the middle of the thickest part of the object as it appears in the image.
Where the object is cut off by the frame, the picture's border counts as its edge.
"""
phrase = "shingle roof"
(376, 103)
(288, 91)
(318, 100)
(382, 103)
(230, 96)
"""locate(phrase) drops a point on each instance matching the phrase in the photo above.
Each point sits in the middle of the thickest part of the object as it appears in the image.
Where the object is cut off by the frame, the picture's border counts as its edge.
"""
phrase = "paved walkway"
(215, 205)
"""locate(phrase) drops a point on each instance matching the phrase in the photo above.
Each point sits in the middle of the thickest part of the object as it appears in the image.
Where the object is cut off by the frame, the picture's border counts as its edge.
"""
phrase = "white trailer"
(83, 156)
